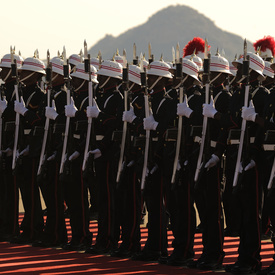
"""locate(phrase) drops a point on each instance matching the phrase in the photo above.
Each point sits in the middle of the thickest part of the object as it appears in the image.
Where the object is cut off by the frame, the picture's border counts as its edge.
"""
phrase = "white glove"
(52, 157)
(19, 107)
(51, 112)
(24, 152)
(131, 163)
(248, 113)
(129, 116)
(250, 165)
(183, 109)
(93, 111)
(3, 105)
(154, 169)
(74, 155)
(8, 152)
(70, 110)
(96, 153)
(212, 162)
(209, 109)
(149, 123)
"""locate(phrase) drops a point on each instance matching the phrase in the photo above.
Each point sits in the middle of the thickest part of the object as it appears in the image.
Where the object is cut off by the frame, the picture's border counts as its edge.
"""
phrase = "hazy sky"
(50, 24)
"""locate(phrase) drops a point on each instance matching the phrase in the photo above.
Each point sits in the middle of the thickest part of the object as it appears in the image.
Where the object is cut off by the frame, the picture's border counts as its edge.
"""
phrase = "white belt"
(155, 139)
(269, 147)
(212, 142)
(99, 137)
(76, 136)
(237, 141)
(27, 131)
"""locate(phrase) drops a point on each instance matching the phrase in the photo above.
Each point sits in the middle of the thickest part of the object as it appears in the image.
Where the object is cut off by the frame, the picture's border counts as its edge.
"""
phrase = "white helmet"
(95, 62)
(267, 70)
(75, 59)
(256, 63)
(6, 61)
(111, 68)
(190, 68)
(119, 59)
(79, 72)
(159, 68)
(33, 64)
(57, 65)
(134, 74)
(219, 64)
(197, 60)
(232, 69)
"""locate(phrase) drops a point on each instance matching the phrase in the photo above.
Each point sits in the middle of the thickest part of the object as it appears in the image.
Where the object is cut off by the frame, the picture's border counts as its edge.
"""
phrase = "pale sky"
(51, 24)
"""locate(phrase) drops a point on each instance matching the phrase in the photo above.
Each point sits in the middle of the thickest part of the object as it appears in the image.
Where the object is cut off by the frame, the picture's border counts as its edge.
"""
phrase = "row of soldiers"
(151, 135)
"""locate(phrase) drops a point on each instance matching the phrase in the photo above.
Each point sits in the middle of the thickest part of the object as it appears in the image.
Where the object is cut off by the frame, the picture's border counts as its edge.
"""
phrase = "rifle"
(243, 128)
(205, 129)
(178, 76)
(125, 82)
(17, 115)
(1, 129)
(67, 126)
(88, 158)
(143, 78)
(47, 122)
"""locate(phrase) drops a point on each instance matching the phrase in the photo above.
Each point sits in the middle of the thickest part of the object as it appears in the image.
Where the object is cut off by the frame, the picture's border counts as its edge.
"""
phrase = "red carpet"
(24, 259)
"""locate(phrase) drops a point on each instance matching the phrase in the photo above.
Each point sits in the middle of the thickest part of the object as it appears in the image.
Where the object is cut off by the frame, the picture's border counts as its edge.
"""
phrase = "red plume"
(196, 43)
(267, 42)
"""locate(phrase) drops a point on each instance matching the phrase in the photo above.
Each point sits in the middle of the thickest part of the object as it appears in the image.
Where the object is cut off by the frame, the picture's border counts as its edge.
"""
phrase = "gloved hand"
(131, 163)
(154, 169)
(183, 109)
(149, 123)
(248, 113)
(52, 157)
(51, 112)
(96, 153)
(250, 165)
(74, 155)
(93, 111)
(3, 105)
(24, 152)
(70, 110)
(212, 162)
(129, 116)
(209, 109)
(8, 152)
(19, 107)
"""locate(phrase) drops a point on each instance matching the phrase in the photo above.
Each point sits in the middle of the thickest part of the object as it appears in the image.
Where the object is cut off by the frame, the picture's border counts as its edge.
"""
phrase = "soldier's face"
(28, 78)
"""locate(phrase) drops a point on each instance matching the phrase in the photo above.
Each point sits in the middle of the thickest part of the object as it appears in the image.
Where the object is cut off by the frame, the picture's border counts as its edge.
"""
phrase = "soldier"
(76, 188)
(209, 180)
(162, 117)
(181, 195)
(107, 112)
(266, 122)
(248, 192)
(55, 232)
(30, 107)
(129, 185)
(9, 188)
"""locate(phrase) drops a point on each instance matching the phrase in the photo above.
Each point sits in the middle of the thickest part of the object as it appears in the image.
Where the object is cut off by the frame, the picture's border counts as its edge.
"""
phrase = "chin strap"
(104, 82)
(131, 87)
(28, 76)
(80, 86)
(8, 74)
(215, 78)
(181, 82)
(154, 84)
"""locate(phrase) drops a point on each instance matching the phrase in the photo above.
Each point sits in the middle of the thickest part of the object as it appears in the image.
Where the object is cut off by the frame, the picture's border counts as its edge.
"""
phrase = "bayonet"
(243, 127)
(178, 53)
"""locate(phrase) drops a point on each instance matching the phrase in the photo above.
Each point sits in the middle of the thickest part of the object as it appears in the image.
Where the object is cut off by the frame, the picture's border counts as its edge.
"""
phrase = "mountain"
(165, 29)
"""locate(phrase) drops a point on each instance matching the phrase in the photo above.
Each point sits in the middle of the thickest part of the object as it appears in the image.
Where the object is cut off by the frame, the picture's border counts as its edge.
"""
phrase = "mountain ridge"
(167, 27)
